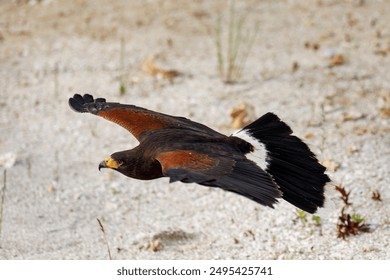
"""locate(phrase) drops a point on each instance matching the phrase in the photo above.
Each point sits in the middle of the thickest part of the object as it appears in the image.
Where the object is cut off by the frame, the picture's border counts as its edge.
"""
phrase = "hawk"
(263, 161)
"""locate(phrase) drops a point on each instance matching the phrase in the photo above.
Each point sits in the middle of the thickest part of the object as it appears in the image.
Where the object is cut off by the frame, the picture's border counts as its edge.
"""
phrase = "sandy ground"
(323, 66)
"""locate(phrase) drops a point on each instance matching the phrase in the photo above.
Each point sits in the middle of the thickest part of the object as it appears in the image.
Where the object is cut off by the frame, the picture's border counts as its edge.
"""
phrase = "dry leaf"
(313, 46)
(152, 69)
(352, 150)
(336, 60)
(330, 165)
(361, 130)
(7, 160)
(376, 196)
(352, 20)
(353, 117)
(155, 245)
(382, 52)
(309, 135)
(385, 112)
(294, 66)
(250, 233)
(242, 115)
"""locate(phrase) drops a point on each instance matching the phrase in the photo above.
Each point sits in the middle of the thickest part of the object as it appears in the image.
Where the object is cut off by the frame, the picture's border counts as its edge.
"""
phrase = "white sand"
(54, 192)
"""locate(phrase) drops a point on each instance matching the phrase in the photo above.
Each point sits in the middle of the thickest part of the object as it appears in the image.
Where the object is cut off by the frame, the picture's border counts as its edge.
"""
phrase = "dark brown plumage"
(263, 161)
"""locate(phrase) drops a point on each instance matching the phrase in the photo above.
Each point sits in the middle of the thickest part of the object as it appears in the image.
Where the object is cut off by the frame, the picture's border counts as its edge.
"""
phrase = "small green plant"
(122, 89)
(317, 220)
(350, 224)
(232, 56)
(301, 216)
(122, 75)
(356, 218)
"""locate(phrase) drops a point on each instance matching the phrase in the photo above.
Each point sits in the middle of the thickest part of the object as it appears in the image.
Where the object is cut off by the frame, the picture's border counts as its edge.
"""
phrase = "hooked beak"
(109, 163)
(102, 165)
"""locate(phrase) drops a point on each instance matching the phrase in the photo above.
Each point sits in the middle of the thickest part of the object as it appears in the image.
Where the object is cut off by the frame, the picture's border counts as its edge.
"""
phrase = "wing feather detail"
(135, 119)
(237, 175)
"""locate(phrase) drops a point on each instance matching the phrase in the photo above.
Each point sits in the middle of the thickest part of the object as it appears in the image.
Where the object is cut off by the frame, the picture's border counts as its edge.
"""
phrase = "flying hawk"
(262, 161)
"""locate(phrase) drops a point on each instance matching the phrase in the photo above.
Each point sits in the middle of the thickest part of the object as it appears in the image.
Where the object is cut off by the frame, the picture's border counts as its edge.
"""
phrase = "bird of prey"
(263, 161)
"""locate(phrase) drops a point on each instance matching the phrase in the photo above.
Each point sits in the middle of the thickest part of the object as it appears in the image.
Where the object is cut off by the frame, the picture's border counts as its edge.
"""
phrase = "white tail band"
(259, 155)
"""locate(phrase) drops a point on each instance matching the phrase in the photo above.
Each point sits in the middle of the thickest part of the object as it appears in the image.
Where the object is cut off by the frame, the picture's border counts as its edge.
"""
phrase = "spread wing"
(235, 174)
(136, 120)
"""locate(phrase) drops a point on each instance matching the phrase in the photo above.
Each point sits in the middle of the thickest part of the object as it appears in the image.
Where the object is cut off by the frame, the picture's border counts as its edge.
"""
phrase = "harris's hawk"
(262, 161)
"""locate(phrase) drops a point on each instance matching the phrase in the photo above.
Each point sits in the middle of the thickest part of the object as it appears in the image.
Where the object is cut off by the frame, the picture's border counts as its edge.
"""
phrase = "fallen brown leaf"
(385, 112)
(336, 60)
(353, 117)
(155, 245)
(331, 165)
(152, 69)
(294, 66)
(376, 196)
(309, 135)
(361, 130)
(242, 115)
(313, 46)
(382, 52)
(352, 150)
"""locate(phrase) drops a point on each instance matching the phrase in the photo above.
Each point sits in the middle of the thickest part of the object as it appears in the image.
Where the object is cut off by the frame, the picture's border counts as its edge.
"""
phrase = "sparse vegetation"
(301, 216)
(376, 196)
(344, 195)
(122, 75)
(349, 223)
(356, 218)
(316, 219)
(234, 47)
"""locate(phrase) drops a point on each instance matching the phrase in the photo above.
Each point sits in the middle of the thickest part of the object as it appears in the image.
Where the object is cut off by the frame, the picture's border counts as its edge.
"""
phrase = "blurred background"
(322, 66)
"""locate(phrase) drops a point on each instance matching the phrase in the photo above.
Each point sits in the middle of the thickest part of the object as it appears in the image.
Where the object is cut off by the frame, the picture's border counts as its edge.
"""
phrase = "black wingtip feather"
(293, 166)
(248, 180)
(245, 179)
(81, 104)
(76, 103)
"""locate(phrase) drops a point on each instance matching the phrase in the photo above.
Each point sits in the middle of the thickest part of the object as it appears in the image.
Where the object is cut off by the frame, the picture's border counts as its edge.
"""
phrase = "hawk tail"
(289, 161)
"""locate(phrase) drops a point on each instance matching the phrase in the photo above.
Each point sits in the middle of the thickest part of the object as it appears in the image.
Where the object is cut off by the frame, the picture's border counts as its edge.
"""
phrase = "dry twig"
(105, 237)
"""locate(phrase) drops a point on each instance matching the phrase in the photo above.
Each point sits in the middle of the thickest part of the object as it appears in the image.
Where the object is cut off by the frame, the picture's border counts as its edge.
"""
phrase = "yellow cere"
(111, 163)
